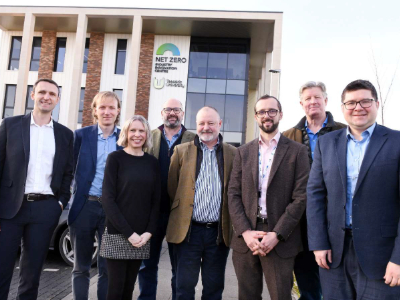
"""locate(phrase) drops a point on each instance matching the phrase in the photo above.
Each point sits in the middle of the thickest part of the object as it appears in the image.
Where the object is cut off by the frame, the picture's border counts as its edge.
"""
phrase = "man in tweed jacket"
(199, 224)
(267, 197)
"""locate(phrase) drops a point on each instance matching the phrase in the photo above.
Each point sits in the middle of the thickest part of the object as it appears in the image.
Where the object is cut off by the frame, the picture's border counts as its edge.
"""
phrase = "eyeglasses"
(364, 103)
(168, 110)
(272, 113)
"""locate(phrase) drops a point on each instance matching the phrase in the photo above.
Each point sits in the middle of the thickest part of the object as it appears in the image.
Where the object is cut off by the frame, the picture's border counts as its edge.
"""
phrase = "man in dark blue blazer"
(353, 203)
(92, 145)
(35, 177)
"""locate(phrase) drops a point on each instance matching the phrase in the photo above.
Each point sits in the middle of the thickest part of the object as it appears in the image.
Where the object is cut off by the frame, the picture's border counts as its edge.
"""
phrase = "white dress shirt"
(41, 157)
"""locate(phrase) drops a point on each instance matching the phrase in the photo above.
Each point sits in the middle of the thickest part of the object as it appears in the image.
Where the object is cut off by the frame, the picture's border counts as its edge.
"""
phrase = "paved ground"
(55, 282)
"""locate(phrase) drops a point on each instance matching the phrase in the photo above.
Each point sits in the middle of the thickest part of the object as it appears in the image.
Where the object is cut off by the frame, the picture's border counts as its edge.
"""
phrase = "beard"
(207, 136)
(270, 129)
(168, 124)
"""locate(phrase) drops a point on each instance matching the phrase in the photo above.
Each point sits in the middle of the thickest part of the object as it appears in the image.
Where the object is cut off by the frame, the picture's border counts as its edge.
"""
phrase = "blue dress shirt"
(173, 139)
(104, 147)
(313, 137)
(355, 155)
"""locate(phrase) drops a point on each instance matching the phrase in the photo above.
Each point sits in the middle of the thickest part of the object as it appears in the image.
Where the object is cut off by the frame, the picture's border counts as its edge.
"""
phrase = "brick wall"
(47, 54)
(144, 78)
(93, 75)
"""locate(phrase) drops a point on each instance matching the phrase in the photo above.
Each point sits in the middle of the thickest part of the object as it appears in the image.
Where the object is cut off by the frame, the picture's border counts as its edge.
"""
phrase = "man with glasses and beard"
(267, 197)
(165, 138)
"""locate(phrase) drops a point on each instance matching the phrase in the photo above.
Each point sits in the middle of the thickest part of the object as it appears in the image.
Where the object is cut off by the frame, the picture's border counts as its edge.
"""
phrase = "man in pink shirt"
(266, 198)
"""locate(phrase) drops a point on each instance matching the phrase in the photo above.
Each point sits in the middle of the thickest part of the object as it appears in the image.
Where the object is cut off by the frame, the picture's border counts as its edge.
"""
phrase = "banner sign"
(169, 73)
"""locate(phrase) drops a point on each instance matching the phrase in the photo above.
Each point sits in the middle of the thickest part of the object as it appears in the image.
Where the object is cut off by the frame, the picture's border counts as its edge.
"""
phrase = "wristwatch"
(279, 236)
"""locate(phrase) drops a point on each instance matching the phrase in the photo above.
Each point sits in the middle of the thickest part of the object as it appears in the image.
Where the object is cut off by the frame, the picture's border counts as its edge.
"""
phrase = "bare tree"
(379, 81)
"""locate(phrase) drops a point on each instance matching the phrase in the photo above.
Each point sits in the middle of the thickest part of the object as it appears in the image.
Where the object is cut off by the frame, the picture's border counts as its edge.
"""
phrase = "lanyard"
(262, 173)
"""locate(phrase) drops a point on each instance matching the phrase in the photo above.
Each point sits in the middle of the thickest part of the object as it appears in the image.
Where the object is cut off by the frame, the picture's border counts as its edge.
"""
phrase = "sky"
(334, 42)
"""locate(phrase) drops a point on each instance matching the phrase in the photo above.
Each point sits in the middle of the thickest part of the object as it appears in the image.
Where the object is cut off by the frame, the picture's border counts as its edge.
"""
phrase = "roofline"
(109, 7)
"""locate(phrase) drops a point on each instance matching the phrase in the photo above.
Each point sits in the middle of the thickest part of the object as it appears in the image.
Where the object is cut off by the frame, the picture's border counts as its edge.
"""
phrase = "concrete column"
(72, 105)
(267, 83)
(276, 59)
(24, 64)
(128, 106)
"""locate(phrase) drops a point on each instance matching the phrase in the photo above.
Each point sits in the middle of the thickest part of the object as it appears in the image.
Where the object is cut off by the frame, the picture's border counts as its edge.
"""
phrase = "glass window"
(29, 102)
(235, 87)
(216, 86)
(121, 57)
(119, 93)
(234, 113)
(196, 85)
(218, 77)
(193, 103)
(81, 101)
(56, 111)
(15, 52)
(9, 100)
(217, 61)
(218, 102)
(236, 66)
(86, 55)
(60, 54)
(198, 61)
(35, 57)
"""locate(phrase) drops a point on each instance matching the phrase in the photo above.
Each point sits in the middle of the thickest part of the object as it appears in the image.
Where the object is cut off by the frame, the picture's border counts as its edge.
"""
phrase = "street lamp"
(277, 71)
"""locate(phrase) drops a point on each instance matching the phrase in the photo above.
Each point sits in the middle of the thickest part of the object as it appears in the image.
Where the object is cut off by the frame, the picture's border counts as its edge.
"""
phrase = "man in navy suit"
(353, 203)
(92, 145)
(35, 178)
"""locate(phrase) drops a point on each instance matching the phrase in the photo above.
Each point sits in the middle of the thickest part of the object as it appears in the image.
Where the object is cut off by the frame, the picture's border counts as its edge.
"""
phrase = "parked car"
(61, 240)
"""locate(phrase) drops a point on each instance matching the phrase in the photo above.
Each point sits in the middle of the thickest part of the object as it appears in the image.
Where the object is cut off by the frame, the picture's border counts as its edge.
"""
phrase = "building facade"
(218, 58)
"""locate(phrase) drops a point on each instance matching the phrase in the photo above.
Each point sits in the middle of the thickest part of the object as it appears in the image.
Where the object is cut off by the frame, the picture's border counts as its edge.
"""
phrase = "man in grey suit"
(353, 207)
(267, 197)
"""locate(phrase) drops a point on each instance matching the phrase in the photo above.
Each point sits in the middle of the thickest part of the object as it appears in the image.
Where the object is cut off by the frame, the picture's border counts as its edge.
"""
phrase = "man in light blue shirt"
(316, 123)
(355, 155)
(92, 144)
(353, 203)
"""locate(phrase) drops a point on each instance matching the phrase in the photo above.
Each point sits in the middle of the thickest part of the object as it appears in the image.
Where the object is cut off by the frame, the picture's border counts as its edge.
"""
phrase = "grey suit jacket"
(286, 194)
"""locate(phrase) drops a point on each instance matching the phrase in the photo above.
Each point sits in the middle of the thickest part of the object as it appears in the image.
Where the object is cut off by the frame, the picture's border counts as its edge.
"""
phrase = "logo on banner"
(165, 64)
(168, 47)
(160, 83)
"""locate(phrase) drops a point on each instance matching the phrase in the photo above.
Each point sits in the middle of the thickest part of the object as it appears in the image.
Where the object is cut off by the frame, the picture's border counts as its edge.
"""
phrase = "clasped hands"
(268, 241)
(139, 240)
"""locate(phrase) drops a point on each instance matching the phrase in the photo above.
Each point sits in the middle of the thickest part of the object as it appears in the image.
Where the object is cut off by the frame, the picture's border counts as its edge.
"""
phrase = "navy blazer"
(14, 160)
(376, 201)
(85, 160)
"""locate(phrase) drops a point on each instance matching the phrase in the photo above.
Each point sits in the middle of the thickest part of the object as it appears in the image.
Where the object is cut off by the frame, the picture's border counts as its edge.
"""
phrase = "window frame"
(11, 52)
(116, 56)
(5, 99)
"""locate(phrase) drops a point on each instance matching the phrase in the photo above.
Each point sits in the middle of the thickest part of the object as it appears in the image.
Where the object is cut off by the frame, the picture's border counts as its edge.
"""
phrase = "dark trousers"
(83, 231)
(307, 276)
(122, 277)
(148, 273)
(348, 282)
(34, 224)
(278, 273)
(200, 252)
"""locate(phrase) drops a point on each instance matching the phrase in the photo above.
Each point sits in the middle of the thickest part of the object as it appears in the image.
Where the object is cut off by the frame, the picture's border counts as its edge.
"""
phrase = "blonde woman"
(131, 199)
